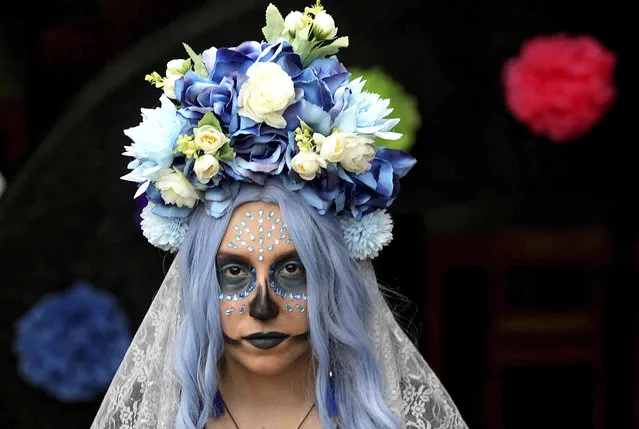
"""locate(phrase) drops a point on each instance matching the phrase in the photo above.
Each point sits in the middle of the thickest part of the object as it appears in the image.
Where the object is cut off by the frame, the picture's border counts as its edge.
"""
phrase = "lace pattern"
(144, 393)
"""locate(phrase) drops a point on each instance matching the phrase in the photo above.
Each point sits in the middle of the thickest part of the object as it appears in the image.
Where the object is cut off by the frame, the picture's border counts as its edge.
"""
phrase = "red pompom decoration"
(560, 86)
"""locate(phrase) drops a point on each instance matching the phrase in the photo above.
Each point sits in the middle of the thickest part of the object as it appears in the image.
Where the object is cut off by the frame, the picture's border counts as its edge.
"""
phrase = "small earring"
(330, 396)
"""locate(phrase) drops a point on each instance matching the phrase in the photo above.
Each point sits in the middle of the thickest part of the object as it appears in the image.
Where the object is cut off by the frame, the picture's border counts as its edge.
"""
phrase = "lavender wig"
(339, 306)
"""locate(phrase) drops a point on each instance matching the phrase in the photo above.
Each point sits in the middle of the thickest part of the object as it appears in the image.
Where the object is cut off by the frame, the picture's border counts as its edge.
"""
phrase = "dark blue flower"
(338, 191)
(71, 343)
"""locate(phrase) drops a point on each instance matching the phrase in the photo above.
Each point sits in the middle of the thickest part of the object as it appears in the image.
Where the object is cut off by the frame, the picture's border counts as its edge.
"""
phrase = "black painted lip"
(268, 335)
(266, 343)
(266, 340)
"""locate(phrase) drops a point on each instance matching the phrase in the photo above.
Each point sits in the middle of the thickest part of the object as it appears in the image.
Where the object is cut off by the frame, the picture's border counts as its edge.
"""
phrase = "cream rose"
(173, 68)
(266, 94)
(324, 26)
(176, 189)
(331, 147)
(294, 21)
(358, 153)
(209, 139)
(205, 167)
(307, 164)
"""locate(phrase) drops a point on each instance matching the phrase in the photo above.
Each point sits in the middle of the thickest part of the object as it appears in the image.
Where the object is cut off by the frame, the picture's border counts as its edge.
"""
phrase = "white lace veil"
(144, 393)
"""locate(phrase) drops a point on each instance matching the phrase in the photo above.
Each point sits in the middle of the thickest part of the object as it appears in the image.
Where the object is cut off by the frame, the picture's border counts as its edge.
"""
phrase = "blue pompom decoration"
(71, 343)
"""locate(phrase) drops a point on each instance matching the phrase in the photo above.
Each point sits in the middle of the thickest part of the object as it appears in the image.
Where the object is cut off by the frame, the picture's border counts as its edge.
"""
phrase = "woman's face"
(262, 291)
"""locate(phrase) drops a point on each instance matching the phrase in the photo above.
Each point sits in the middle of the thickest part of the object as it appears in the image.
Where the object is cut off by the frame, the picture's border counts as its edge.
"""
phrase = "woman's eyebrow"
(226, 258)
(291, 254)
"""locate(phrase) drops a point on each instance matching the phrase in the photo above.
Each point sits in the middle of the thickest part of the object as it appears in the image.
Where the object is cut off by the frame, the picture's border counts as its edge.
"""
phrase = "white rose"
(307, 164)
(169, 86)
(324, 26)
(172, 74)
(331, 147)
(266, 94)
(294, 21)
(176, 189)
(209, 139)
(173, 67)
(358, 153)
(205, 167)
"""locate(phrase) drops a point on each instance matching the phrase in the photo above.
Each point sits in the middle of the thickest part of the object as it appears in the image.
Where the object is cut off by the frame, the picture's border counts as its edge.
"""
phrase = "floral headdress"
(284, 109)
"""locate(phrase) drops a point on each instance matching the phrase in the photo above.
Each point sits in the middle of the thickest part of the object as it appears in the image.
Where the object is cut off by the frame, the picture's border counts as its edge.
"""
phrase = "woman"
(266, 174)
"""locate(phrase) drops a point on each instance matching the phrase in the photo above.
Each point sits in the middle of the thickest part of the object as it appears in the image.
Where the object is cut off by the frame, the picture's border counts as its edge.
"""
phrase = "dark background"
(519, 255)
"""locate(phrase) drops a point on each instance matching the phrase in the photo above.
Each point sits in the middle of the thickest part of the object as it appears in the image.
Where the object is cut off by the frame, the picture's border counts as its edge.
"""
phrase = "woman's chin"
(270, 362)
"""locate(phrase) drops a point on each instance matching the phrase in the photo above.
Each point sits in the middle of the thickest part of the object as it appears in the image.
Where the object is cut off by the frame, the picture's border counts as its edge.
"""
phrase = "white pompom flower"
(164, 233)
(366, 237)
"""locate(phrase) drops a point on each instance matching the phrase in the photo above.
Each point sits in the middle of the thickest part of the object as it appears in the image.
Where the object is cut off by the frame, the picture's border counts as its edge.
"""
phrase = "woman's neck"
(291, 389)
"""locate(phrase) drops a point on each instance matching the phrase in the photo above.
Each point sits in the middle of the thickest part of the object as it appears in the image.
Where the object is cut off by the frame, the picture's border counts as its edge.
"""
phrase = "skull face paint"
(263, 292)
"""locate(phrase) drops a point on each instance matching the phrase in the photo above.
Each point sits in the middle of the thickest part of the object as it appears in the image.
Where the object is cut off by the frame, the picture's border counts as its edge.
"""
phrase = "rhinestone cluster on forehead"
(270, 229)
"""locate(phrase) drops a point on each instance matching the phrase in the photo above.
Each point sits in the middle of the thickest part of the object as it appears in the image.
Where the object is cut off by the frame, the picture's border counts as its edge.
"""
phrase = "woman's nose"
(262, 306)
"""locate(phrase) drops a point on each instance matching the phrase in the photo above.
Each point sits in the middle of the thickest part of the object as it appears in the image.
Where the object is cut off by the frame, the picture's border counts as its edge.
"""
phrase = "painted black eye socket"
(290, 276)
(234, 277)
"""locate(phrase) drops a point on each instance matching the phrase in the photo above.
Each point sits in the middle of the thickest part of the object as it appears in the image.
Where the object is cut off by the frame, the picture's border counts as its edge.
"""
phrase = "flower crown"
(284, 109)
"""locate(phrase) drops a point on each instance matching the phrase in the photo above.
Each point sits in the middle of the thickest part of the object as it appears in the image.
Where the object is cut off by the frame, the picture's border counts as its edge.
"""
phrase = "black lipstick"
(266, 340)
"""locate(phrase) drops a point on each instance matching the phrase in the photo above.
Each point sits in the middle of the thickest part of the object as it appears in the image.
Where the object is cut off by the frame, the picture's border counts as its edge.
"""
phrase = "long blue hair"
(339, 307)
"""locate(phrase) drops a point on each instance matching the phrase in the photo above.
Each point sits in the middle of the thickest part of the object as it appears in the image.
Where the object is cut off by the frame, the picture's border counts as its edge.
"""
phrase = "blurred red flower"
(560, 86)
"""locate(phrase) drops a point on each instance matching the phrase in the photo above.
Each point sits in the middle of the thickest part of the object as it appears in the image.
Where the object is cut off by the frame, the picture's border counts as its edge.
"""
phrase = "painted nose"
(263, 307)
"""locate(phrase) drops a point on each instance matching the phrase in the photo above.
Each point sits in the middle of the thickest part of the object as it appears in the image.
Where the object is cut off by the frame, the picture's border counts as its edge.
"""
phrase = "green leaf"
(199, 66)
(210, 119)
(301, 45)
(274, 23)
(326, 50)
(225, 153)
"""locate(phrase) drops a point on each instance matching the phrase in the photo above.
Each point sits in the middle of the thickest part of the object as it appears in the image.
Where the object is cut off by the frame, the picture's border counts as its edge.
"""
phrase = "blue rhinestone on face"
(251, 237)
(288, 307)
(270, 247)
(271, 214)
(221, 296)
(261, 257)
(237, 228)
(277, 220)
(241, 295)
(298, 296)
(260, 212)
(231, 244)
(288, 241)
(260, 228)
(300, 307)
(229, 311)
(250, 248)
(261, 240)
(242, 309)
(243, 223)
(229, 297)
(284, 226)
(248, 214)
(235, 298)
(283, 236)
(303, 297)
(268, 234)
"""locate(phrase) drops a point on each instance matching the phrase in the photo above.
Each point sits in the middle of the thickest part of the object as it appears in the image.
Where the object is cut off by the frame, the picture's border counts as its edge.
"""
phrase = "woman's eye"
(234, 271)
(292, 269)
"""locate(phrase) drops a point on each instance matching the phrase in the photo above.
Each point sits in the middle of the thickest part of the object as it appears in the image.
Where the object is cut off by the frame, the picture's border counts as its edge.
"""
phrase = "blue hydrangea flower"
(357, 111)
(71, 343)
(349, 194)
(162, 230)
(366, 237)
(154, 140)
